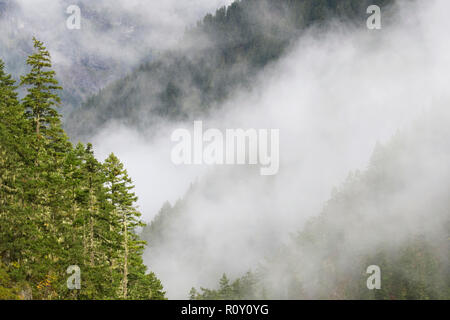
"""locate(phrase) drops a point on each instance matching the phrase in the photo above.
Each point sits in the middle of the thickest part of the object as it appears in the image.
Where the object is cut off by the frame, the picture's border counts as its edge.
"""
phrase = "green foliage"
(59, 206)
(7, 290)
(41, 98)
(244, 288)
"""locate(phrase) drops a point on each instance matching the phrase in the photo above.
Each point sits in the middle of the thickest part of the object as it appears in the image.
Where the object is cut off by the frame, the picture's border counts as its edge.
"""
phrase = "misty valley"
(224, 150)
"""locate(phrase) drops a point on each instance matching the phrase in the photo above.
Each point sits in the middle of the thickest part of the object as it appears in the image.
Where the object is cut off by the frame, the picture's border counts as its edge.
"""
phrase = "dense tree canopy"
(59, 206)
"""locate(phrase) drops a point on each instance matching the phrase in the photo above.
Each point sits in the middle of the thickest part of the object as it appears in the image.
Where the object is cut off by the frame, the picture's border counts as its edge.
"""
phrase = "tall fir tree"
(41, 99)
(125, 214)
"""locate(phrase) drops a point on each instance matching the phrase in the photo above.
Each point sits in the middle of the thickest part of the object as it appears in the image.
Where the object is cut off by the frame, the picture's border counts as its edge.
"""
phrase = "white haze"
(161, 23)
(333, 97)
(114, 36)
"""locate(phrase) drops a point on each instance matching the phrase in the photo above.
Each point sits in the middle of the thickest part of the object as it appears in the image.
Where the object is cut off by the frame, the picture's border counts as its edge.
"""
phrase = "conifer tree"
(41, 99)
(13, 163)
(7, 87)
(125, 214)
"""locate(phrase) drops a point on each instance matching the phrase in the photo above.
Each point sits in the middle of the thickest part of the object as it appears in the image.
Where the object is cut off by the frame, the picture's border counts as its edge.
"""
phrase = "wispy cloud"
(333, 97)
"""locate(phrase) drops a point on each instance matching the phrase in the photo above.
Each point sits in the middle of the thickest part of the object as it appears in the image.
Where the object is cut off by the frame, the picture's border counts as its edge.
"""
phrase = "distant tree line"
(222, 53)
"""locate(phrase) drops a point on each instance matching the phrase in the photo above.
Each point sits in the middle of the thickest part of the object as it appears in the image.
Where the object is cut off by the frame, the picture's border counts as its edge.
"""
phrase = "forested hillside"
(221, 54)
(234, 234)
(395, 214)
(82, 67)
(60, 206)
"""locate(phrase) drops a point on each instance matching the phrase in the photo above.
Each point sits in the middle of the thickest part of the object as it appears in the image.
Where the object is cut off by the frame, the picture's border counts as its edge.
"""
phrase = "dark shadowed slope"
(221, 54)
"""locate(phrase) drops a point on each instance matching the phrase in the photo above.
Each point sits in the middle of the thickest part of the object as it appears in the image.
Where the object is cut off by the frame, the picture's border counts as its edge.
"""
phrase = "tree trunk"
(125, 260)
(38, 125)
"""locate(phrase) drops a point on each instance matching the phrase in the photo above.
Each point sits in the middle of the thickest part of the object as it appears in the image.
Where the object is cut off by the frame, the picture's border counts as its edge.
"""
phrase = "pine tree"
(125, 214)
(41, 98)
(12, 118)
(13, 169)
(7, 88)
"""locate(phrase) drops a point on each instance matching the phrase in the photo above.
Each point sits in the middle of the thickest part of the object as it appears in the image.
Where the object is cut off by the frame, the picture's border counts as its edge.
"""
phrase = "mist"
(335, 95)
(111, 41)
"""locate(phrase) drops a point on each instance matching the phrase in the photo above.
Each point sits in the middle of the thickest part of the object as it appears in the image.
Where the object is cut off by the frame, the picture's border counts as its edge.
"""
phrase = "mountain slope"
(395, 214)
(220, 55)
(112, 39)
(82, 68)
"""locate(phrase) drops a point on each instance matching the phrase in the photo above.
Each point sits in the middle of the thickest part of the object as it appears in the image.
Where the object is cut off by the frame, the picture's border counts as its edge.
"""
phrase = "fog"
(113, 37)
(333, 96)
(159, 24)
